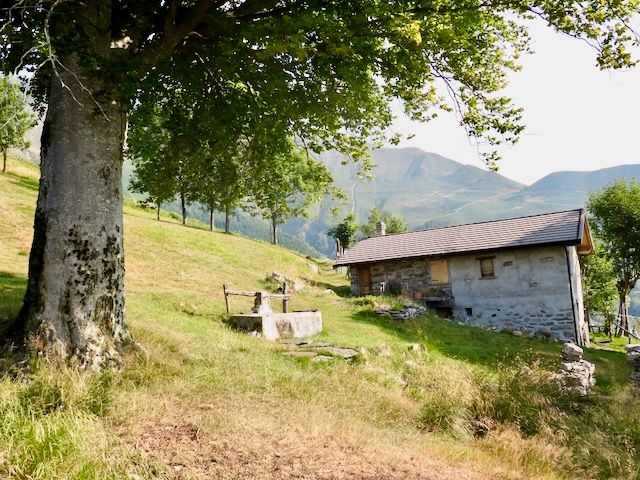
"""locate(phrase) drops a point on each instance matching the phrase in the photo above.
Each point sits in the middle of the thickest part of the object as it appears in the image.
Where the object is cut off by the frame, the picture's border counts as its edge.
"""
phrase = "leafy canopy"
(393, 223)
(331, 66)
(286, 180)
(599, 281)
(15, 116)
(615, 217)
(345, 231)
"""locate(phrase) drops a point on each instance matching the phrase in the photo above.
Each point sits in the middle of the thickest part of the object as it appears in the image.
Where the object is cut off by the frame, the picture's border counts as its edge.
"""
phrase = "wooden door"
(364, 280)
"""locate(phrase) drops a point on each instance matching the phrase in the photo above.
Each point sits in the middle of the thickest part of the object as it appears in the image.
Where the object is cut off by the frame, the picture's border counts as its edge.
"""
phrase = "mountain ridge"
(430, 190)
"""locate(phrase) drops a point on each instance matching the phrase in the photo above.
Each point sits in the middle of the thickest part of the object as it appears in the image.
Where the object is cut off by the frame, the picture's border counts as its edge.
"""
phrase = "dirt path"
(263, 444)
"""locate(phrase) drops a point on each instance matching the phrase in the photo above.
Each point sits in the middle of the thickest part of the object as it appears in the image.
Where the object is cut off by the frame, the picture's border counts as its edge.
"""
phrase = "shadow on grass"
(494, 349)
(343, 291)
(25, 182)
(12, 290)
(468, 343)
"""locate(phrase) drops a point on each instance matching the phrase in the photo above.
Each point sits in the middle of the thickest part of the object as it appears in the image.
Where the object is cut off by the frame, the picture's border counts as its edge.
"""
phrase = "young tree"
(615, 217)
(332, 67)
(220, 184)
(393, 223)
(15, 118)
(345, 231)
(287, 184)
(153, 175)
(600, 292)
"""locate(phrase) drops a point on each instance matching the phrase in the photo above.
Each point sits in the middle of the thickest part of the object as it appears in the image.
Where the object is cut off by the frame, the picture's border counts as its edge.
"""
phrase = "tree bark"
(211, 219)
(183, 205)
(227, 219)
(4, 160)
(623, 315)
(74, 303)
(158, 212)
(274, 230)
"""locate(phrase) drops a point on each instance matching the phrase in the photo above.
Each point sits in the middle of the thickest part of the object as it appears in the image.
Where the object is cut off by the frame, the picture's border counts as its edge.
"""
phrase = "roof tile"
(549, 228)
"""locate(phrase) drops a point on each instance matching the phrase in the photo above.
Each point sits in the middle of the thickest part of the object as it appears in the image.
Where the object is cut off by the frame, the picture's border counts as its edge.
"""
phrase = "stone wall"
(530, 292)
(406, 277)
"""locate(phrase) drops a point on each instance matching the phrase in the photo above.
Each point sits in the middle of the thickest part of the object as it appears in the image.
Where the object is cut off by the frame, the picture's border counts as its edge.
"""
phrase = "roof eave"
(574, 242)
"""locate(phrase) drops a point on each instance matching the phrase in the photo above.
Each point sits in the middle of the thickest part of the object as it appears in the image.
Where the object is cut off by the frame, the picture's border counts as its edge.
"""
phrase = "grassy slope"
(207, 402)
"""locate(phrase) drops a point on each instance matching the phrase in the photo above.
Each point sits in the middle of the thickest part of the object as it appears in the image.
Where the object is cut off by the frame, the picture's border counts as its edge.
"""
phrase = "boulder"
(633, 357)
(571, 352)
(314, 268)
(292, 284)
(633, 347)
(578, 376)
(416, 347)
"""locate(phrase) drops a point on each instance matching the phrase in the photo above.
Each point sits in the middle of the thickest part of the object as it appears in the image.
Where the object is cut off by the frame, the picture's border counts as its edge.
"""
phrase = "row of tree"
(183, 150)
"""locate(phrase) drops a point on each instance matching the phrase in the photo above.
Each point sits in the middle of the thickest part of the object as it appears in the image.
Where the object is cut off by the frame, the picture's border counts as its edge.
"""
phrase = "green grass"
(201, 400)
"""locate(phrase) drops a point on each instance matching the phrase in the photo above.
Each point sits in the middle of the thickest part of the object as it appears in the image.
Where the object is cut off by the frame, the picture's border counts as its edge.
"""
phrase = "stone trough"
(272, 325)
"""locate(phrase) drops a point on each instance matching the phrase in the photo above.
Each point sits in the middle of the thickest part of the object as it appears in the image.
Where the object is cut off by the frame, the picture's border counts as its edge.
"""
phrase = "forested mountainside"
(429, 190)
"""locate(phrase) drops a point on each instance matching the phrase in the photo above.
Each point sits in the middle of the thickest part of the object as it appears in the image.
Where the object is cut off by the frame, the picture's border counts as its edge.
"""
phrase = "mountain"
(430, 190)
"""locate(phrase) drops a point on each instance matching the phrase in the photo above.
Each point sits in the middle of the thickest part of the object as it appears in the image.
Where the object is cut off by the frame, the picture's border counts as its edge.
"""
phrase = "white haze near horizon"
(577, 117)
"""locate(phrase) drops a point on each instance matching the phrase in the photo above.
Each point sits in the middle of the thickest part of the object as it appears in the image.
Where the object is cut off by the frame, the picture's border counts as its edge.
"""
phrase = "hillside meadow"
(199, 400)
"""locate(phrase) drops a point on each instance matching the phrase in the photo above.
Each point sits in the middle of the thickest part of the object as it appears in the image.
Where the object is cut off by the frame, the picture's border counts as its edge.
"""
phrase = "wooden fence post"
(226, 298)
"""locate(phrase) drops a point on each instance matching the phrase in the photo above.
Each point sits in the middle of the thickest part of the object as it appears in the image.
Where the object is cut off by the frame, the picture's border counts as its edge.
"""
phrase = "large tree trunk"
(211, 219)
(158, 211)
(227, 219)
(4, 160)
(74, 304)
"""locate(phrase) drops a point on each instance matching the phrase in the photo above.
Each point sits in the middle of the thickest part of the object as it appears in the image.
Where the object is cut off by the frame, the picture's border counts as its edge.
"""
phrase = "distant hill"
(425, 188)
(430, 190)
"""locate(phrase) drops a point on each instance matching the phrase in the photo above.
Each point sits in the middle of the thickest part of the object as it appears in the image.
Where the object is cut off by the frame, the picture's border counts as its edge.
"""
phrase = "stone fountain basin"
(276, 325)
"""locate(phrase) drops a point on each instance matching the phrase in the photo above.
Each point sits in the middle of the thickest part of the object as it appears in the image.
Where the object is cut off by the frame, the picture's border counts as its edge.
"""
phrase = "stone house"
(520, 273)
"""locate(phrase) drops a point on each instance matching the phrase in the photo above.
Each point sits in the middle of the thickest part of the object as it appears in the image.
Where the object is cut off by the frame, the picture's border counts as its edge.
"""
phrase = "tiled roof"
(563, 228)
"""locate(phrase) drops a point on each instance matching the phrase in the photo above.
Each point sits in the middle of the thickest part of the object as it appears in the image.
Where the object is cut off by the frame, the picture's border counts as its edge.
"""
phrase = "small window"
(486, 268)
(508, 263)
(468, 312)
(439, 271)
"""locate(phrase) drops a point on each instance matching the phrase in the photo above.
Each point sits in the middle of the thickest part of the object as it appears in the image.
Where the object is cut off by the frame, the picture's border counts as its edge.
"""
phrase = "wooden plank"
(242, 293)
(247, 293)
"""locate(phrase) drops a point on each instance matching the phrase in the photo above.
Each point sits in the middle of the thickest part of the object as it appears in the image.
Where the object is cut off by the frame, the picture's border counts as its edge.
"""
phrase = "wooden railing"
(259, 297)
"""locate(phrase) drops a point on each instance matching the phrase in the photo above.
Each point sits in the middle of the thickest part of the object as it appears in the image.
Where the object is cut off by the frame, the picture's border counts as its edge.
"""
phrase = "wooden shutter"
(439, 271)
(486, 268)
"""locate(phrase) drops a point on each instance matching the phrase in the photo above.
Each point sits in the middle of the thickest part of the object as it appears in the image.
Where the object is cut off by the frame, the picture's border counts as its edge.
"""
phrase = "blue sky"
(577, 117)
